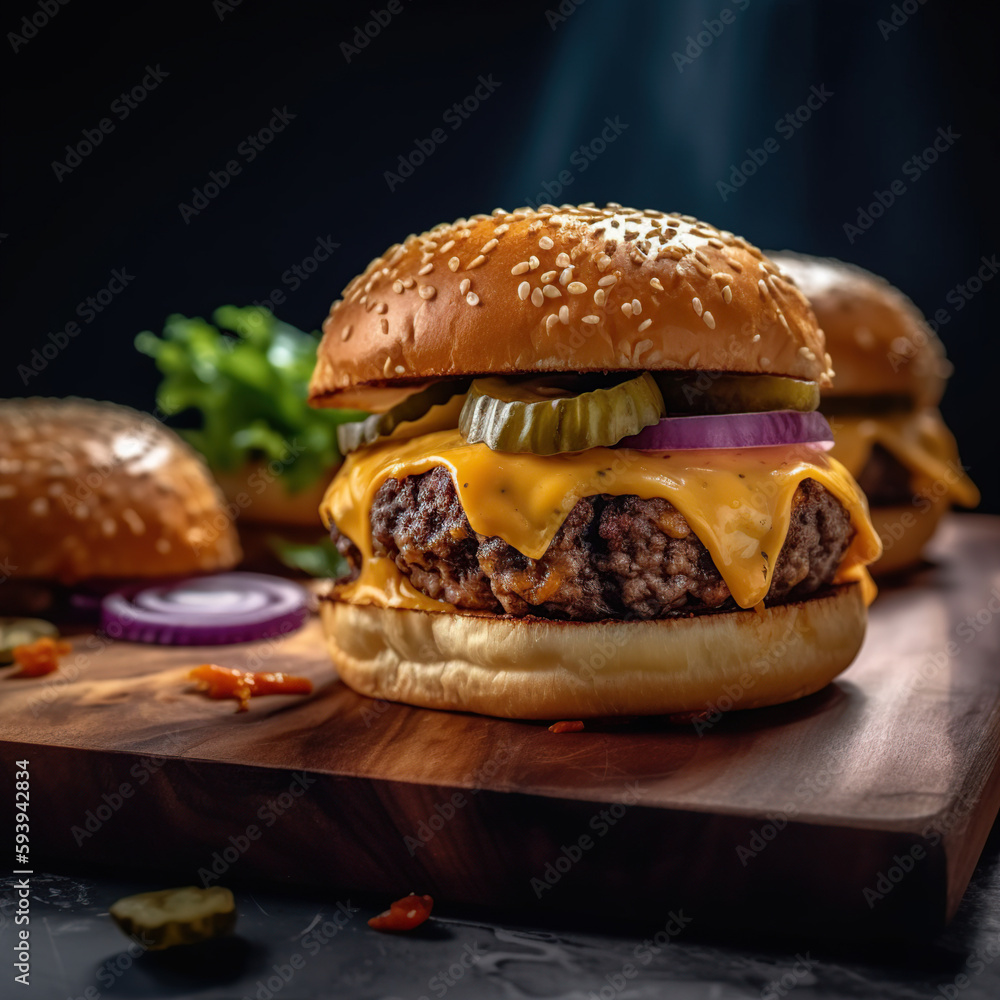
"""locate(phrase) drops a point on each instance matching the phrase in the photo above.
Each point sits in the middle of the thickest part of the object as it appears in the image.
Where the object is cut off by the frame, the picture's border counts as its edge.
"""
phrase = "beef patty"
(613, 557)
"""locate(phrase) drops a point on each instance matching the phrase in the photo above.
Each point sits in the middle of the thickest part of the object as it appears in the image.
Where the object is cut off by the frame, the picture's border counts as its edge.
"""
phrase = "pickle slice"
(170, 917)
(704, 393)
(359, 433)
(20, 632)
(551, 415)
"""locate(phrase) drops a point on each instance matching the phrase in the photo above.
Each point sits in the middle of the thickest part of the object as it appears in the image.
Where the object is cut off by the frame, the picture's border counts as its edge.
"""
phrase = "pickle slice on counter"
(550, 415)
(704, 393)
(356, 435)
(21, 632)
(170, 917)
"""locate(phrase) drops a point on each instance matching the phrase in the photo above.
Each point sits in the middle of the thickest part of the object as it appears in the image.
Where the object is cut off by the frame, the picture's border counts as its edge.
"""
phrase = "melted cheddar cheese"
(738, 503)
(920, 441)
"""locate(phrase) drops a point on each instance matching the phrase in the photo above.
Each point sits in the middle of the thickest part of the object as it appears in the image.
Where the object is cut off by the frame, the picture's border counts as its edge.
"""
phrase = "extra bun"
(467, 298)
(538, 669)
(98, 490)
(879, 340)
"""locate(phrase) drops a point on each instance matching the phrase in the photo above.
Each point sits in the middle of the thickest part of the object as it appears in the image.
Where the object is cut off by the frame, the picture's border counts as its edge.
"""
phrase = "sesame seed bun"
(539, 669)
(93, 489)
(575, 288)
(879, 340)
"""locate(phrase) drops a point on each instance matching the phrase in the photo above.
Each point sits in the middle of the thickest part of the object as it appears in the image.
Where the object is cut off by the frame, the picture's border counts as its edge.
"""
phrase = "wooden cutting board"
(861, 809)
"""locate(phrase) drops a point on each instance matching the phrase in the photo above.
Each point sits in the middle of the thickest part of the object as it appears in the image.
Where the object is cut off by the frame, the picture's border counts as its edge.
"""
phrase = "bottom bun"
(541, 669)
(905, 530)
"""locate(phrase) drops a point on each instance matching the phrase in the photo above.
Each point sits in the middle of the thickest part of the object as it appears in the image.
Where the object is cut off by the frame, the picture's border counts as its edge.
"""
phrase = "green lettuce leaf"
(247, 376)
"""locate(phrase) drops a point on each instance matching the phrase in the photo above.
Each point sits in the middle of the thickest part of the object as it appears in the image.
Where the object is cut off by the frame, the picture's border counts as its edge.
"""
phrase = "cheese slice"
(920, 441)
(738, 503)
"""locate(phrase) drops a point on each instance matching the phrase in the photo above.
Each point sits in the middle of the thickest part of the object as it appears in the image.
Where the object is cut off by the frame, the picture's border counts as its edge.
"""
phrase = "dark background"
(559, 75)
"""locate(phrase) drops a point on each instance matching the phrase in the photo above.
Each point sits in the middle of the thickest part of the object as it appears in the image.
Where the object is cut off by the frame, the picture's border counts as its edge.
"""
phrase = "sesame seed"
(755, 338)
(591, 319)
(533, 262)
(523, 290)
(381, 308)
(488, 246)
(384, 323)
(563, 260)
(500, 230)
(427, 291)
(476, 262)
(546, 243)
(551, 320)
(727, 293)
(408, 282)
(426, 269)
(627, 308)
(454, 263)
(549, 276)
(765, 361)
(602, 261)
(645, 325)
(399, 370)
(564, 314)
(576, 288)
(607, 281)
(464, 286)
(447, 246)
(519, 268)
(709, 319)
(397, 287)
(387, 367)
(472, 299)
(537, 298)
(693, 360)
(655, 282)
(346, 332)
(130, 517)
(551, 292)
(698, 307)
(600, 296)
(762, 288)
(636, 307)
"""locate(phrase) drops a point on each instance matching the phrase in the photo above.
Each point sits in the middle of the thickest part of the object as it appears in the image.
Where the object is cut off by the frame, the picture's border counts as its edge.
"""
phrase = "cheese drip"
(738, 503)
(920, 441)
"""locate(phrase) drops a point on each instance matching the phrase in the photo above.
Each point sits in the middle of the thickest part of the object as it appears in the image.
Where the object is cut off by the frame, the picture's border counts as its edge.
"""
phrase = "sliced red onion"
(207, 611)
(733, 430)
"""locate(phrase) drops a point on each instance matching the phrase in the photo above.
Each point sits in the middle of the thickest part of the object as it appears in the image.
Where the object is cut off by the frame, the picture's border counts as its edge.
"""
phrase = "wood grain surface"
(861, 809)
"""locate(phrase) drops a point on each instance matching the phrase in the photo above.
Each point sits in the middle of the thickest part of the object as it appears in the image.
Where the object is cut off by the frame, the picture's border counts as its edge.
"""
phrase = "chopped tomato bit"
(229, 682)
(566, 727)
(39, 657)
(403, 915)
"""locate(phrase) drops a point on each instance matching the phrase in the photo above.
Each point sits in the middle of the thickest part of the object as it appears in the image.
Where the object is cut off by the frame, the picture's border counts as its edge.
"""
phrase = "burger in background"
(594, 481)
(246, 378)
(95, 495)
(891, 373)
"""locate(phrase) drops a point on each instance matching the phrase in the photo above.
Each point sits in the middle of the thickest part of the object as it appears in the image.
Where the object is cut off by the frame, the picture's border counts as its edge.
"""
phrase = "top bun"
(576, 288)
(98, 490)
(880, 341)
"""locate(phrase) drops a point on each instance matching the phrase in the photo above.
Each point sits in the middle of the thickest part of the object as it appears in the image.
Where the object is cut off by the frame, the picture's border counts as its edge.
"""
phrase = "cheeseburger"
(883, 405)
(593, 481)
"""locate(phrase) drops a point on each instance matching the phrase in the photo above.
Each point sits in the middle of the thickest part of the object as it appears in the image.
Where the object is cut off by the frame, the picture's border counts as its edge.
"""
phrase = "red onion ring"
(733, 430)
(207, 611)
